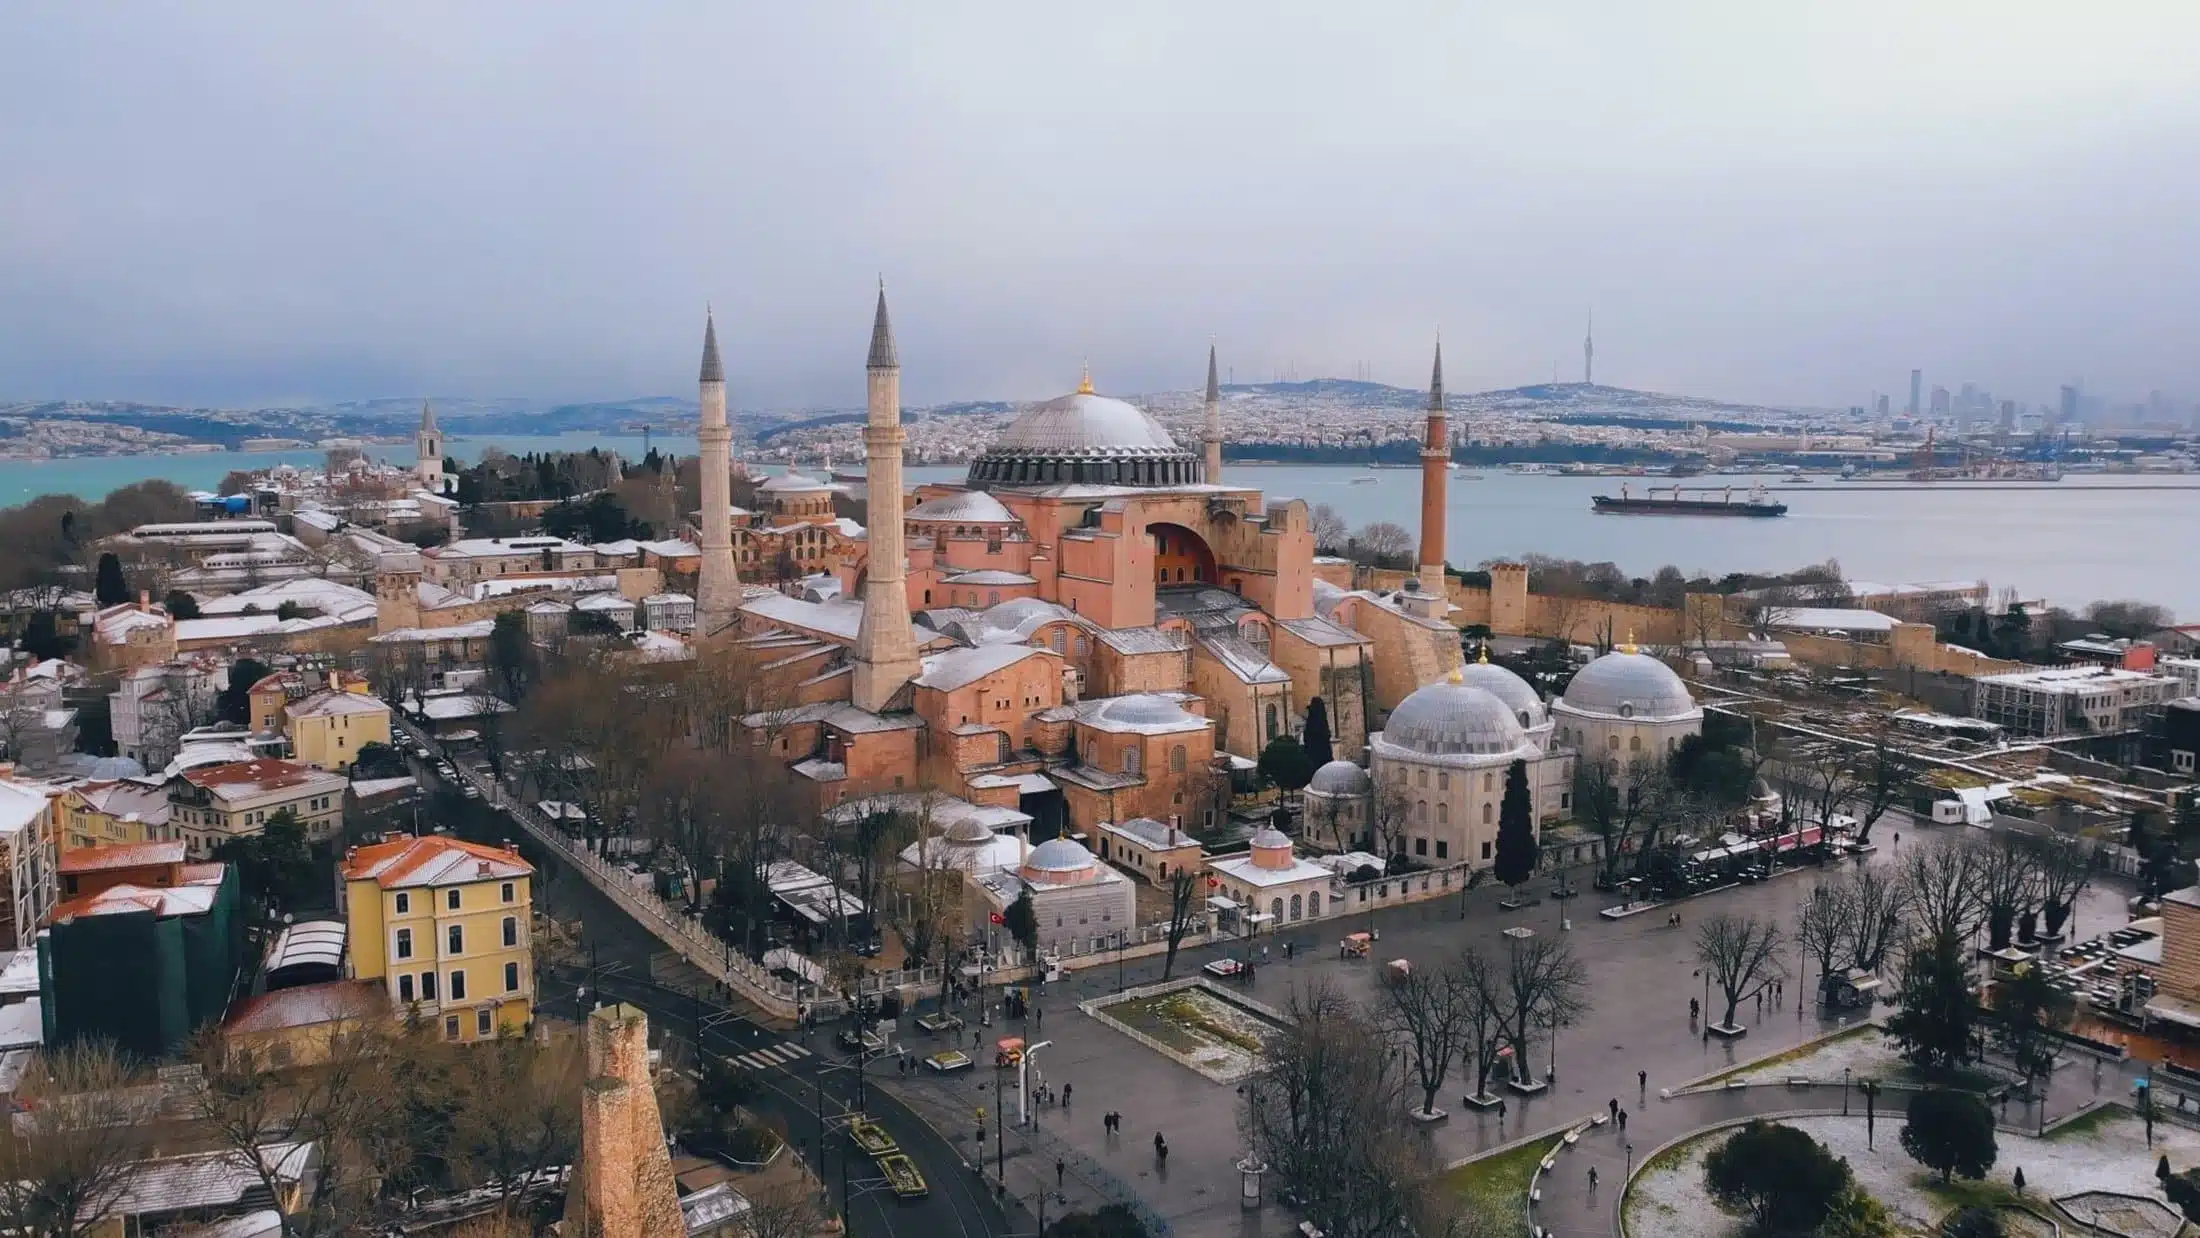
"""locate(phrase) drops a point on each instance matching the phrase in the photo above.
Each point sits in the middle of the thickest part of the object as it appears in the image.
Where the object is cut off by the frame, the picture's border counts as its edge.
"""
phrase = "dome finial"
(1084, 381)
(1629, 645)
(1456, 676)
(1485, 658)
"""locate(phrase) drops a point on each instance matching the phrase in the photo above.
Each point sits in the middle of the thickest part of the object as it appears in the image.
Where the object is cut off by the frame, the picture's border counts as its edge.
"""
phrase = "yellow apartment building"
(110, 813)
(442, 925)
(326, 730)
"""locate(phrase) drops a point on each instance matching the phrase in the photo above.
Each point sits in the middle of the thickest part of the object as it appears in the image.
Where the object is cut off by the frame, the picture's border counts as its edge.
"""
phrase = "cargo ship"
(1676, 503)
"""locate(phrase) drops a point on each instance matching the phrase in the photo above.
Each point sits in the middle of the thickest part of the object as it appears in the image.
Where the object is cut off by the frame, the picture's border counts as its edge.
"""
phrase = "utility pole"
(1000, 1138)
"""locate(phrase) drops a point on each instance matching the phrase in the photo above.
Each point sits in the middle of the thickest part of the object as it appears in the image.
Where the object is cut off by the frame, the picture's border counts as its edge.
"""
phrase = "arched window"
(1485, 814)
(1061, 640)
(1132, 759)
(993, 597)
(1296, 905)
(1176, 759)
(1001, 749)
(1314, 905)
(1612, 742)
(1420, 811)
(1443, 813)
(1634, 743)
(1275, 909)
(1489, 782)
(1420, 777)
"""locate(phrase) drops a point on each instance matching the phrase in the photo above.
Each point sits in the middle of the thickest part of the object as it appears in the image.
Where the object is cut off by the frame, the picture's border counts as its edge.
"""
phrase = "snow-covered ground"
(2112, 1156)
(1867, 1054)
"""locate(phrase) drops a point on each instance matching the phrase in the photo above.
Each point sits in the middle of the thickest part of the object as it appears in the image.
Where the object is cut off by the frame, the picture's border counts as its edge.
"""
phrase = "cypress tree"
(1319, 750)
(1516, 849)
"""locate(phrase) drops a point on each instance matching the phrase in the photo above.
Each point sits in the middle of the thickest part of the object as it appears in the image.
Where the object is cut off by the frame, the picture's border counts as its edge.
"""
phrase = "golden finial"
(1629, 645)
(1084, 383)
(1457, 676)
(1485, 658)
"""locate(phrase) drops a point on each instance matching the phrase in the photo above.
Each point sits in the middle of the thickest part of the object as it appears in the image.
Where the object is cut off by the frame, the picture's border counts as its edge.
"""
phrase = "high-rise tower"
(1435, 479)
(1589, 353)
(718, 589)
(428, 451)
(886, 647)
(1917, 392)
(1213, 434)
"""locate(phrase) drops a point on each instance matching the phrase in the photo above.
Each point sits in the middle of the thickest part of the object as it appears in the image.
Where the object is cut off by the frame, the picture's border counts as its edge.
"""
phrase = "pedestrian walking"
(1038, 1017)
(1501, 1115)
(1160, 1148)
(1612, 1108)
(1642, 1084)
(1060, 1169)
(1623, 1121)
(1694, 1008)
(1592, 1177)
(1065, 1095)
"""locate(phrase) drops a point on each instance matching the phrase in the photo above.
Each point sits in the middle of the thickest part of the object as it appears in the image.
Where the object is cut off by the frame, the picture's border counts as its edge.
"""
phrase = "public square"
(1642, 973)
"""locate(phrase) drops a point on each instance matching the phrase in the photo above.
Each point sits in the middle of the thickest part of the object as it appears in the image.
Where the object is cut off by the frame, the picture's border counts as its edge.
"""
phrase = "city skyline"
(316, 208)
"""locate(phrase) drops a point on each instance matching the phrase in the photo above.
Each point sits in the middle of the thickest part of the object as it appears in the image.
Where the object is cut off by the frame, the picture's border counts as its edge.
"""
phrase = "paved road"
(809, 1087)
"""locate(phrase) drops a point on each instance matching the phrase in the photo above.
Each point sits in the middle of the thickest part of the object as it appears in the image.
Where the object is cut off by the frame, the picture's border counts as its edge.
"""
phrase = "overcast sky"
(1783, 202)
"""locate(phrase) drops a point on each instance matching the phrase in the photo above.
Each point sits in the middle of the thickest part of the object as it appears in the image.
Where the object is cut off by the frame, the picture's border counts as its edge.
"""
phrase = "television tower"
(1589, 353)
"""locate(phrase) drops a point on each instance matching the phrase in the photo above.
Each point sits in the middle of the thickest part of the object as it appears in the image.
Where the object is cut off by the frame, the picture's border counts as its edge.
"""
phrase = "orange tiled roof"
(307, 1005)
(436, 860)
(250, 777)
(122, 855)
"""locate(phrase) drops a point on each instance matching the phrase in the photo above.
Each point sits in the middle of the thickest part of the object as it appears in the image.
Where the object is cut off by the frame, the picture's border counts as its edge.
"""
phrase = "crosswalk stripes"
(771, 1056)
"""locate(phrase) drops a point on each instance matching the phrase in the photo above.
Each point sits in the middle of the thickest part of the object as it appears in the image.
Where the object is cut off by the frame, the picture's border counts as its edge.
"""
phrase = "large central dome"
(1085, 437)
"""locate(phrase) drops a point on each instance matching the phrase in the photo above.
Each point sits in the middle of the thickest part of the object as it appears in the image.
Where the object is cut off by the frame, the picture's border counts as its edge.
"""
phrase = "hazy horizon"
(224, 205)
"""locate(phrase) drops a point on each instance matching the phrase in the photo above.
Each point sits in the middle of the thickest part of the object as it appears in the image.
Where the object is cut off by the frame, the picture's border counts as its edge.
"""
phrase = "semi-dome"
(967, 507)
(1506, 687)
(1341, 778)
(1085, 437)
(1627, 684)
(1454, 719)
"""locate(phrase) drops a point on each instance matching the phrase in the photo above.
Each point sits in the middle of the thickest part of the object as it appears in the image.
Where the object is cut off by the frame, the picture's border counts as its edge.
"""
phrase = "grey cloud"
(232, 203)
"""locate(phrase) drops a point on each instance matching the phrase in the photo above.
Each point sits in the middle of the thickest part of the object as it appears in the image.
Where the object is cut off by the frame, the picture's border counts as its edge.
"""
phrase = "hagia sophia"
(1097, 631)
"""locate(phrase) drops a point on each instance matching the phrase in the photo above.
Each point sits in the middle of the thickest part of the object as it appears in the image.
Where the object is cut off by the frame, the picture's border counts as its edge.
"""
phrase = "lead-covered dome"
(1341, 777)
(1626, 684)
(1506, 687)
(1085, 437)
(1454, 719)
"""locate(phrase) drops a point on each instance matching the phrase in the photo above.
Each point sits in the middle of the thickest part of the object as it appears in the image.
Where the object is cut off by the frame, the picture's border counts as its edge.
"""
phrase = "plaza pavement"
(1641, 975)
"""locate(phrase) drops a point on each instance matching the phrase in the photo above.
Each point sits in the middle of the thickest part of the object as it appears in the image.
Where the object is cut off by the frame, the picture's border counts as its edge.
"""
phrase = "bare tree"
(1741, 954)
(518, 1113)
(1482, 1018)
(2008, 884)
(78, 1126)
(927, 895)
(346, 1106)
(1878, 902)
(1187, 890)
(1943, 898)
(1880, 779)
(1822, 778)
(1427, 1008)
(1545, 987)
(1326, 1112)
(2065, 867)
(1329, 529)
(1823, 930)
(784, 1211)
(1389, 817)
(1383, 543)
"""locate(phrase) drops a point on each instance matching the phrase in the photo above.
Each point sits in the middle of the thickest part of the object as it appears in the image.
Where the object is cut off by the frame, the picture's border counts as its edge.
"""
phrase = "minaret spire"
(428, 451)
(1435, 479)
(1212, 437)
(718, 586)
(886, 645)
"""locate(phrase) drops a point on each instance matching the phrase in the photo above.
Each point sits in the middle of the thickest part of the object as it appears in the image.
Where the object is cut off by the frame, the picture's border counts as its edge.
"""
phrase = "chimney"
(145, 600)
(334, 684)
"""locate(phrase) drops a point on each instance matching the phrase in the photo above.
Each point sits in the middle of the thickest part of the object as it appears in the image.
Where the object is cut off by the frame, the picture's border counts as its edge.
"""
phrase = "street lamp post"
(1844, 1091)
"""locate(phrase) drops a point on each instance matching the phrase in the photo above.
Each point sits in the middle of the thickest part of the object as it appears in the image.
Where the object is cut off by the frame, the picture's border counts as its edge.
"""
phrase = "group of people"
(1044, 1095)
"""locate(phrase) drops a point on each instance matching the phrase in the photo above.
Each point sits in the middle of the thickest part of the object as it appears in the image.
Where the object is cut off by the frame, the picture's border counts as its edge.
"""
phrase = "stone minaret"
(886, 647)
(718, 589)
(1213, 435)
(1435, 479)
(428, 448)
(622, 1186)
